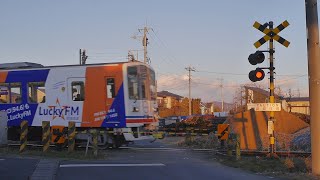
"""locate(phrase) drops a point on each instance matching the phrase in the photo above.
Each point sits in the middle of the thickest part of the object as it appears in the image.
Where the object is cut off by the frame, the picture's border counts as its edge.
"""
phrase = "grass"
(287, 168)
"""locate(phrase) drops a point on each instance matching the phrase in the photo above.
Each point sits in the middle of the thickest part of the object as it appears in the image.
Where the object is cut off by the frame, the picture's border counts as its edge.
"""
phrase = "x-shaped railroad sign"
(271, 34)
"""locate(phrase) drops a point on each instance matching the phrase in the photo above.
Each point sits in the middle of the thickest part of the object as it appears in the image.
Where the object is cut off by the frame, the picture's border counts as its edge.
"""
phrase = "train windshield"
(140, 77)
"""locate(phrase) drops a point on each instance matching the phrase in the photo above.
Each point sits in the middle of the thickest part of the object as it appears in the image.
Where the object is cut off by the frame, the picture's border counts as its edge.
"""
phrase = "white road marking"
(109, 165)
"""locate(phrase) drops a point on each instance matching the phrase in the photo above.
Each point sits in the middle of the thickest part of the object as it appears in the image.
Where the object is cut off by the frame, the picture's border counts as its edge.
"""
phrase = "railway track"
(265, 153)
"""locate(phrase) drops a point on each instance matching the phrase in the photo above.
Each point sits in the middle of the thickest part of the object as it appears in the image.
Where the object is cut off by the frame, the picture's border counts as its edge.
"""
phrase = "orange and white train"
(110, 97)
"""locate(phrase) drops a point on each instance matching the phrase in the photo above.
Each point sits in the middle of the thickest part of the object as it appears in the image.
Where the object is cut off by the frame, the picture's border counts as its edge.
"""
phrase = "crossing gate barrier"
(158, 135)
(23, 135)
(94, 134)
(59, 135)
(71, 136)
(45, 135)
(223, 131)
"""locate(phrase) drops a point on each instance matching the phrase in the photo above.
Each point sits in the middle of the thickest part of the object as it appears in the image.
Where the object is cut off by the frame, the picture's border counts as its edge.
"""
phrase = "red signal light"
(259, 74)
(256, 75)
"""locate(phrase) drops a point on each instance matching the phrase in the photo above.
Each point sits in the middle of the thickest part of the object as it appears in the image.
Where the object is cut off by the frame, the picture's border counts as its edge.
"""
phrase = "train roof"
(20, 65)
(30, 65)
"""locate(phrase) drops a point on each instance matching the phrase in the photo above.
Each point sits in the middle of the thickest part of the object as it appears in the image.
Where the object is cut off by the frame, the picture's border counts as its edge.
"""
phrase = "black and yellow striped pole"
(188, 135)
(271, 98)
(238, 153)
(23, 135)
(71, 136)
(45, 135)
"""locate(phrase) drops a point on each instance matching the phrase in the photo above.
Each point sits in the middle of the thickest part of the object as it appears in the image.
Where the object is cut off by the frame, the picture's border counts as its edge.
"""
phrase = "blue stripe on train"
(116, 115)
(24, 110)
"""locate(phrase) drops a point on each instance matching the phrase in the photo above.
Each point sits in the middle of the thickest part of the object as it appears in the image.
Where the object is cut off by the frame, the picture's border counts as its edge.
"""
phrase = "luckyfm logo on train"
(58, 111)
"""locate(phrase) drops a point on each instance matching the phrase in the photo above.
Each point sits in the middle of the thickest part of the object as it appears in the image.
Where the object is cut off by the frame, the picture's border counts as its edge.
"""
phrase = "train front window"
(153, 90)
(133, 87)
(138, 79)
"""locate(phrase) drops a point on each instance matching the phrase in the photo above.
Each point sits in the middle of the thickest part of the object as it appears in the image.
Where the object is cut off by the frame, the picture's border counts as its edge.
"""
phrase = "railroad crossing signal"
(256, 58)
(271, 34)
(258, 74)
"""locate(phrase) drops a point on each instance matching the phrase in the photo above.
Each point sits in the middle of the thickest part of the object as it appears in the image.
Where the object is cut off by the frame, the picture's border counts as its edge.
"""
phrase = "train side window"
(77, 88)
(36, 92)
(111, 88)
(4, 93)
(15, 93)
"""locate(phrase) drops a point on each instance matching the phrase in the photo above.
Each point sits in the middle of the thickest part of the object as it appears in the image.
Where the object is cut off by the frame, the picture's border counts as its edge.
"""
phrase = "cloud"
(209, 89)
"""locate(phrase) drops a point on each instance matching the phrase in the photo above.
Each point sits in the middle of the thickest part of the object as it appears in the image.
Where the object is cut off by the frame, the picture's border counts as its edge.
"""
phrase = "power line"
(227, 73)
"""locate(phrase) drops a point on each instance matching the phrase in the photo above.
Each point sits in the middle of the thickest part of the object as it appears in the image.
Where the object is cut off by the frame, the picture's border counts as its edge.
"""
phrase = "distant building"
(298, 105)
(293, 104)
(257, 95)
(167, 99)
(207, 108)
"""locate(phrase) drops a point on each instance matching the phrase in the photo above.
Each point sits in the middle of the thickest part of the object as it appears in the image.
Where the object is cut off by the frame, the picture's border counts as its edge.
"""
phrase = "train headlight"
(135, 109)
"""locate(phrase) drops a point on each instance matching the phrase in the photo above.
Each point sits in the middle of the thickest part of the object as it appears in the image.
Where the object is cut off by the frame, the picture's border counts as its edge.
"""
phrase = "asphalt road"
(156, 160)
(144, 160)
(15, 168)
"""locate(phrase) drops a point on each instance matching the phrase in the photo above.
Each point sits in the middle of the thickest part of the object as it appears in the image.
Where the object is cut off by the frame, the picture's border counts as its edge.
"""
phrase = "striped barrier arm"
(23, 135)
(94, 133)
(71, 136)
(45, 135)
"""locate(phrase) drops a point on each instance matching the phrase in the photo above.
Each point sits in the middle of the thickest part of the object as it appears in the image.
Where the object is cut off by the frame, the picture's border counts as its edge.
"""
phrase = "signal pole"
(271, 98)
(190, 69)
(314, 80)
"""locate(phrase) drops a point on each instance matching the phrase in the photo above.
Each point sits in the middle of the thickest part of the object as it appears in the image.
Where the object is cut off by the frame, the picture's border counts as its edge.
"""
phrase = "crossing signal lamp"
(256, 75)
(254, 59)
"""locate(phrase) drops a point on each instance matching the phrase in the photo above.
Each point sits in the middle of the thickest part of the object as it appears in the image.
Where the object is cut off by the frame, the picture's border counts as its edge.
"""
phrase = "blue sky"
(213, 36)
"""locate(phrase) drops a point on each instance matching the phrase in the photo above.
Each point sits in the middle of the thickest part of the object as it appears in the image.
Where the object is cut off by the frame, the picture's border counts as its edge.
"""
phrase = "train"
(118, 99)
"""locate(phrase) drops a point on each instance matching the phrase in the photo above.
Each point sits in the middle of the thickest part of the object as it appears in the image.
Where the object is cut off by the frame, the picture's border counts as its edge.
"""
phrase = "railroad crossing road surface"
(15, 168)
(142, 160)
(151, 164)
(145, 160)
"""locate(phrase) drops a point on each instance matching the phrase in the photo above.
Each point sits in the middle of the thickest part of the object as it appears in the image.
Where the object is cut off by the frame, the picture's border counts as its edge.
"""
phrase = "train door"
(112, 106)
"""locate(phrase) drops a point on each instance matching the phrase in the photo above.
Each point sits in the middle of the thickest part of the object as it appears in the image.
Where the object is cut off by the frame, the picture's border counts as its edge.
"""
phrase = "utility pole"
(145, 43)
(221, 86)
(190, 69)
(80, 57)
(314, 81)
